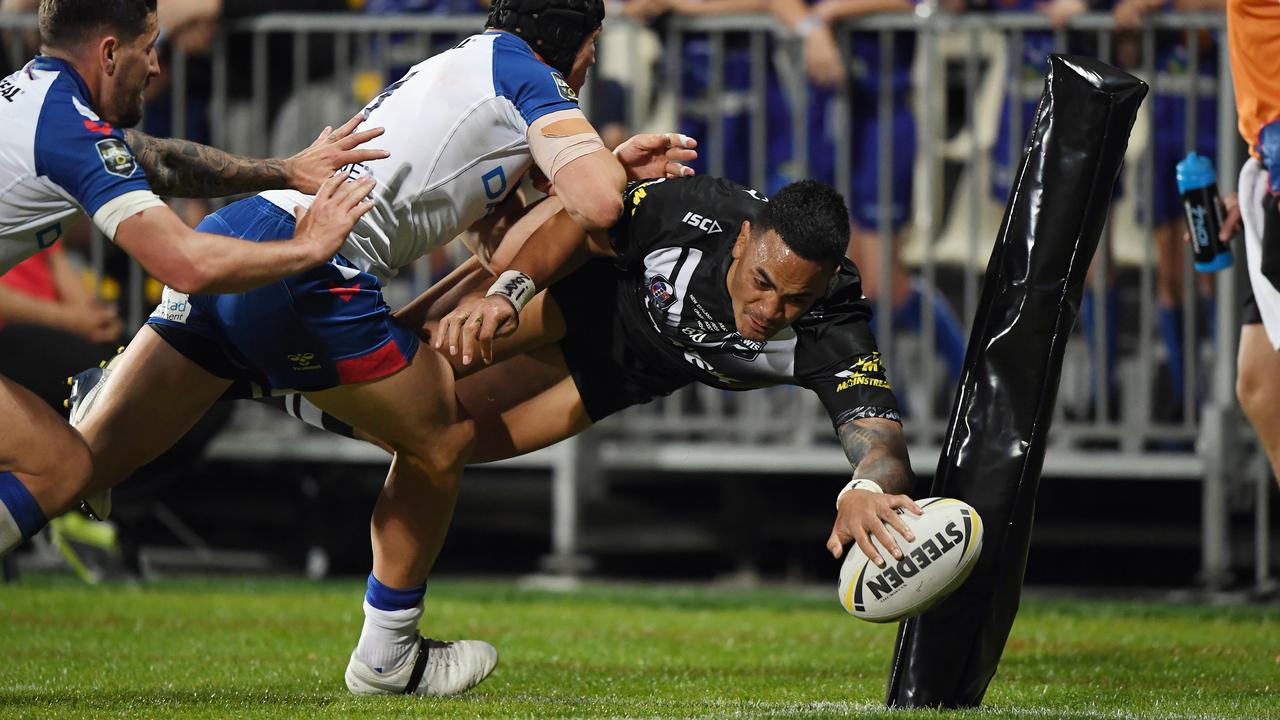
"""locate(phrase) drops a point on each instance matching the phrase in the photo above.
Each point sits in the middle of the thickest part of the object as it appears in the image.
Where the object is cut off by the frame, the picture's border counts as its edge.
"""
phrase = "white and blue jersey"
(456, 127)
(59, 159)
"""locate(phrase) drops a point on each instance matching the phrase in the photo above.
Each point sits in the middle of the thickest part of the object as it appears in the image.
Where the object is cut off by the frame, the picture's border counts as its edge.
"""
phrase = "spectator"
(1172, 86)
(51, 325)
(864, 75)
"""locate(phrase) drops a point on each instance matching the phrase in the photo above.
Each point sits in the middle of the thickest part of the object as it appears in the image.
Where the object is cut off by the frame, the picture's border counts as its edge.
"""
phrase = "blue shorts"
(325, 327)
(864, 147)
(1171, 148)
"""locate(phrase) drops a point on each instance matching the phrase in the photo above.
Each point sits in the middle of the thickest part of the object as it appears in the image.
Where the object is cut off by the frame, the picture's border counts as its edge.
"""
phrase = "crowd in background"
(192, 27)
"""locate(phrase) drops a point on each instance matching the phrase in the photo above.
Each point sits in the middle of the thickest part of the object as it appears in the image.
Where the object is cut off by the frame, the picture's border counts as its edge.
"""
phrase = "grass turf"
(268, 649)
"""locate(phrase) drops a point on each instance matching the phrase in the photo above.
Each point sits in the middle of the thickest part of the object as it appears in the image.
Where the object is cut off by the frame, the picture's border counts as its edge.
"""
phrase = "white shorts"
(1253, 190)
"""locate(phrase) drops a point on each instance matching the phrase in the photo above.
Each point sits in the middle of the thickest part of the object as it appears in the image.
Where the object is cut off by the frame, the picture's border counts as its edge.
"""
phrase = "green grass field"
(267, 649)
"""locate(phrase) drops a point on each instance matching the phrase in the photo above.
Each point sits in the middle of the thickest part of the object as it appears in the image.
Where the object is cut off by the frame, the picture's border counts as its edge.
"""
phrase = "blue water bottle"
(1198, 185)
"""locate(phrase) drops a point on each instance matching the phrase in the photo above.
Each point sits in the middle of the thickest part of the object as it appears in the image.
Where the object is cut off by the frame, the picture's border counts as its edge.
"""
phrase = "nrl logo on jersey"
(661, 293)
(566, 92)
(116, 157)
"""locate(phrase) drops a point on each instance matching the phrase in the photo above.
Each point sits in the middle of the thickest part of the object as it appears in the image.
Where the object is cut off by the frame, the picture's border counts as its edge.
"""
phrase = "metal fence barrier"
(269, 83)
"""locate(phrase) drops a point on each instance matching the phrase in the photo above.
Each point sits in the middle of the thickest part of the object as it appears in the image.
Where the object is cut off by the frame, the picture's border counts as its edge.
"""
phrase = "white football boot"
(85, 386)
(435, 668)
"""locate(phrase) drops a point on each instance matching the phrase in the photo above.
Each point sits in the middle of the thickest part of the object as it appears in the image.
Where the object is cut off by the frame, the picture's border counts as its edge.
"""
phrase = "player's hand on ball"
(337, 207)
(475, 324)
(863, 514)
(655, 155)
(332, 151)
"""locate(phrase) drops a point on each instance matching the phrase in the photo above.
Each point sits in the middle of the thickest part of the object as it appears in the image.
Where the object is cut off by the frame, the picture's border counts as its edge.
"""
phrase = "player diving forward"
(463, 127)
(63, 155)
(701, 280)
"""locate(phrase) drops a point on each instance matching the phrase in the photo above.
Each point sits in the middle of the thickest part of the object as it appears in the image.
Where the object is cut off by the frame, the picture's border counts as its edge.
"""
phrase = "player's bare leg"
(152, 397)
(1258, 386)
(413, 412)
(43, 462)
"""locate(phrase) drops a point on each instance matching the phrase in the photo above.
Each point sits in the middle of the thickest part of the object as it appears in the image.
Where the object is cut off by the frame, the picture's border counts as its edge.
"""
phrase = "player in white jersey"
(63, 155)
(463, 128)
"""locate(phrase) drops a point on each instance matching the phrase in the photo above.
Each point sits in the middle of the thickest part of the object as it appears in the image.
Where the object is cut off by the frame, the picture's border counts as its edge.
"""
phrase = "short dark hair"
(68, 23)
(811, 218)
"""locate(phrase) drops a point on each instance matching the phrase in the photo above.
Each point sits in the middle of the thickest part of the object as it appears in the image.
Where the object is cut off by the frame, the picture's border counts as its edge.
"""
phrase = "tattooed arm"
(181, 168)
(877, 450)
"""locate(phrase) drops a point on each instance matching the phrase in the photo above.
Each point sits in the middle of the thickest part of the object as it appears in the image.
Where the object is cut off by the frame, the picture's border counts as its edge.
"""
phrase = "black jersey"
(674, 246)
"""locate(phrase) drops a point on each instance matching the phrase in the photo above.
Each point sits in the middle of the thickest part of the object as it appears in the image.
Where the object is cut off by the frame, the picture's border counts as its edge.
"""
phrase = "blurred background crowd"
(916, 112)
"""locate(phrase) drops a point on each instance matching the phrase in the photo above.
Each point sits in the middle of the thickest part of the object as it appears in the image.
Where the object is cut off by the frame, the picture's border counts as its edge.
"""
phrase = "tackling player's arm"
(586, 176)
(203, 263)
(181, 168)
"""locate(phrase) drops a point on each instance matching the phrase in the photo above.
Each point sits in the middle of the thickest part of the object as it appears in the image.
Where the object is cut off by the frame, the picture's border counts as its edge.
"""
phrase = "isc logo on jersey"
(705, 224)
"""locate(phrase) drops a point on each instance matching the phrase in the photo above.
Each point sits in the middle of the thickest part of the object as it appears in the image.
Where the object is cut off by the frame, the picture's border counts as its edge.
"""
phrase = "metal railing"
(269, 106)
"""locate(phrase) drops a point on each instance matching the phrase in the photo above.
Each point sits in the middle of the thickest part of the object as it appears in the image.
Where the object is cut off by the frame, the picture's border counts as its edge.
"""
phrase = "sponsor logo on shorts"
(566, 92)
(174, 306)
(661, 293)
(866, 371)
(303, 361)
(705, 224)
(116, 157)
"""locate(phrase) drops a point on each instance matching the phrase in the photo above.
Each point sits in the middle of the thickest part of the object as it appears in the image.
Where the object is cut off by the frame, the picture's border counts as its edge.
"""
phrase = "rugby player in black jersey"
(701, 280)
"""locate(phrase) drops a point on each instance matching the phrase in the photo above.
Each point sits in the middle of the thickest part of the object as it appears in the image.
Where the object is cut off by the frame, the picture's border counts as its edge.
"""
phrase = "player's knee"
(442, 455)
(1256, 390)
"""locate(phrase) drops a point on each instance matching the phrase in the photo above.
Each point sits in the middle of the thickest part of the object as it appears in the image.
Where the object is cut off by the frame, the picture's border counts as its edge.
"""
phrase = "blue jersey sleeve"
(531, 85)
(85, 156)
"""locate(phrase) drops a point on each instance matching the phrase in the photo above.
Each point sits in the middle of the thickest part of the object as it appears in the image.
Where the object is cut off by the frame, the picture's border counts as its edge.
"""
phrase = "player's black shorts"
(1249, 312)
(612, 370)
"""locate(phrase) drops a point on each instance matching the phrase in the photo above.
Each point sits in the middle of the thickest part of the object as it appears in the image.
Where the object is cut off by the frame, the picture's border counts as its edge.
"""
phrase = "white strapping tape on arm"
(123, 207)
(514, 286)
(858, 484)
(553, 152)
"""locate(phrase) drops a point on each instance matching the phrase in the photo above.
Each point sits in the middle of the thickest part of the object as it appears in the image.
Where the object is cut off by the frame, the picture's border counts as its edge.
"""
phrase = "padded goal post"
(995, 442)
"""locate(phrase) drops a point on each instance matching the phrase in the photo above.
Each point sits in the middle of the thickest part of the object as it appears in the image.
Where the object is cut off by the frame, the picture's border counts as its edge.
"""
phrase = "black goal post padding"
(994, 447)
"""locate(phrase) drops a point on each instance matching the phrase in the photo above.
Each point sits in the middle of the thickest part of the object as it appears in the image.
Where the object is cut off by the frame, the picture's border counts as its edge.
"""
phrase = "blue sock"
(948, 333)
(385, 598)
(21, 505)
(1211, 317)
(1170, 321)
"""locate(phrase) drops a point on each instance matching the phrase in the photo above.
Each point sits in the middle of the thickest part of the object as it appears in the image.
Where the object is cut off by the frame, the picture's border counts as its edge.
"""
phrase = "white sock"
(388, 637)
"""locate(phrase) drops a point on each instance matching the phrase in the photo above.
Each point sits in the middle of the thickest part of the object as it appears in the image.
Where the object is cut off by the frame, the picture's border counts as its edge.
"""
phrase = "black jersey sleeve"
(665, 212)
(837, 357)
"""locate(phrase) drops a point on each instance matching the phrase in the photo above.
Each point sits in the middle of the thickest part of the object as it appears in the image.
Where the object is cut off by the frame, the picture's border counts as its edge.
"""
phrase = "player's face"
(583, 62)
(135, 65)
(771, 286)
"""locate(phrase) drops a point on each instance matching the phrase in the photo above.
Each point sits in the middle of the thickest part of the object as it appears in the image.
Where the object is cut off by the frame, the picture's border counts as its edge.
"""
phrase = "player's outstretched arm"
(877, 449)
(203, 263)
(181, 168)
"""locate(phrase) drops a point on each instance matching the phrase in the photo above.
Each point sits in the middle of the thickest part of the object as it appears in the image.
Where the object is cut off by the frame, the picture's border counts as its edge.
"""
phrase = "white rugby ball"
(948, 541)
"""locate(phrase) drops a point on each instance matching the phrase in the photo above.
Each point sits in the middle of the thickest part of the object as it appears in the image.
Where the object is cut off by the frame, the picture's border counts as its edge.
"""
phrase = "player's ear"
(108, 47)
(740, 244)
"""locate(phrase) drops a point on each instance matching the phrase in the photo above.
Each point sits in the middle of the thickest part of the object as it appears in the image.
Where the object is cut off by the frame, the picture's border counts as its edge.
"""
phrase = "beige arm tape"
(557, 139)
(116, 211)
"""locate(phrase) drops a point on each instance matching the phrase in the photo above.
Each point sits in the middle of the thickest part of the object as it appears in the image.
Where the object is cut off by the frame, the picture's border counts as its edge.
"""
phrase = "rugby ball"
(948, 541)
